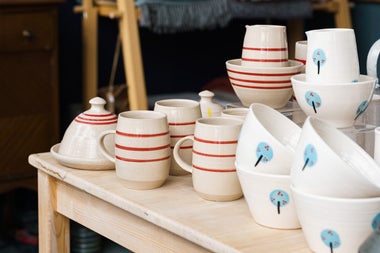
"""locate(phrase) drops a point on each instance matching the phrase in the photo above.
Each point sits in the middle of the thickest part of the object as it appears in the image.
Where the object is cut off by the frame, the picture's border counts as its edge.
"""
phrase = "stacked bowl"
(335, 185)
(263, 73)
(264, 155)
(331, 87)
(334, 182)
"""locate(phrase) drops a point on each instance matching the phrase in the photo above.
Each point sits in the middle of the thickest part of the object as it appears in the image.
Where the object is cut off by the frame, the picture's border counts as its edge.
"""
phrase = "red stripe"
(141, 149)
(261, 87)
(141, 135)
(263, 74)
(183, 147)
(98, 115)
(141, 160)
(264, 60)
(213, 170)
(181, 123)
(89, 119)
(303, 61)
(178, 136)
(212, 155)
(215, 142)
(274, 49)
(95, 123)
(260, 81)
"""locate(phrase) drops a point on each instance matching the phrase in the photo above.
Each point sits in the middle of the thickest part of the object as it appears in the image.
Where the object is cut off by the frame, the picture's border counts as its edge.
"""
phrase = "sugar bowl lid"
(78, 148)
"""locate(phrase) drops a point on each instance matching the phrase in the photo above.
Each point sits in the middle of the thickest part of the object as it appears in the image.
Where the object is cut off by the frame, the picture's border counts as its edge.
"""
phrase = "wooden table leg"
(53, 228)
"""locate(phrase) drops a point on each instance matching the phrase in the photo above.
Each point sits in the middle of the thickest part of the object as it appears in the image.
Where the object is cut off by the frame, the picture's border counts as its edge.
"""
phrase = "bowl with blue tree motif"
(268, 197)
(336, 225)
(327, 162)
(338, 103)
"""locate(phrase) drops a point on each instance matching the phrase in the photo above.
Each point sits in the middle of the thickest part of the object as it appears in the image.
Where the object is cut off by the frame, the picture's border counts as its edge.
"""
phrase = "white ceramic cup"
(332, 56)
(181, 114)
(265, 46)
(269, 198)
(213, 169)
(142, 148)
(329, 163)
(267, 141)
(300, 53)
(236, 113)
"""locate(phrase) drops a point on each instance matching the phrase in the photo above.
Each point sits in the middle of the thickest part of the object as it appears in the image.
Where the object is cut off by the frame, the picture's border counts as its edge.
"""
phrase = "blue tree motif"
(319, 58)
(310, 156)
(331, 239)
(376, 223)
(313, 99)
(361, 108)
(279, 198)
(264, 153)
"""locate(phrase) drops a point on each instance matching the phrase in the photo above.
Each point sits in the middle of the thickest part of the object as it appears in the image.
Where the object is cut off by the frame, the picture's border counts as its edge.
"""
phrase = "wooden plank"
(121, 227)
(174, 207)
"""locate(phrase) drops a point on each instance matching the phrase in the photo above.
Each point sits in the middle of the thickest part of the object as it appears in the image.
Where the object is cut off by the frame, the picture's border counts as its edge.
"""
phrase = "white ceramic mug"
(265, 45)
(332, 56)
(181, 114)
(142, 148)
(213, 169)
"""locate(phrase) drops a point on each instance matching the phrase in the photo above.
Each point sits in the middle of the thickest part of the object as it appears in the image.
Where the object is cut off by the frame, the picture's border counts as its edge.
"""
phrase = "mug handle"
(184, 165)
(372, 58)
(102, 147)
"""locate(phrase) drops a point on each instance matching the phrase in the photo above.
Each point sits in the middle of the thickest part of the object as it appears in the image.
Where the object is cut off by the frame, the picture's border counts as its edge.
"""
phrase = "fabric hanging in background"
(168, 16)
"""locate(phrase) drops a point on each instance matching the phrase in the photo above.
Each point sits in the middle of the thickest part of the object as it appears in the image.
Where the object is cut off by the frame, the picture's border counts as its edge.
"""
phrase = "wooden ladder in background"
(128, 14)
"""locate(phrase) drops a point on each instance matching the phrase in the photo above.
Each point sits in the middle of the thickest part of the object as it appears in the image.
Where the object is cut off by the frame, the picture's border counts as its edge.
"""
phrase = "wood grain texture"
(174, 212)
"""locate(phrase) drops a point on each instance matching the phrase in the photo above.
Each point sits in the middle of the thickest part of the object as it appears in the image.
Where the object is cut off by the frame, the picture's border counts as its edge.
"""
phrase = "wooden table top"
(176, 207)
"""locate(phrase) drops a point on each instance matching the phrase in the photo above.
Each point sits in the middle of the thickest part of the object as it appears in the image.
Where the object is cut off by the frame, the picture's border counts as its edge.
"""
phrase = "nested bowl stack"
(267, 85)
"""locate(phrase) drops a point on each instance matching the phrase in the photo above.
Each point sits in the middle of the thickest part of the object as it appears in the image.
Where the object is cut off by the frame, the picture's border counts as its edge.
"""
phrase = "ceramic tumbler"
(332, 56)
(181, 114)
(213, 170)
(142, 149)
(265, 46)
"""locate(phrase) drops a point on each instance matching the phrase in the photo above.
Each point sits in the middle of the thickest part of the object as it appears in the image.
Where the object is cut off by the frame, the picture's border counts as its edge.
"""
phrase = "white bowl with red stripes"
(78, 148)
(268, 85)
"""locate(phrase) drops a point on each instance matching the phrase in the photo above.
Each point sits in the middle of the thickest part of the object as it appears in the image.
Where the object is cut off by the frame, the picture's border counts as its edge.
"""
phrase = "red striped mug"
(182, 114)
(142, 148)
(214, 147)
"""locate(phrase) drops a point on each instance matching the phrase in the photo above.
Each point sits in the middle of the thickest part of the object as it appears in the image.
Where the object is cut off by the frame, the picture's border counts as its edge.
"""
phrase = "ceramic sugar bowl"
(78, 148)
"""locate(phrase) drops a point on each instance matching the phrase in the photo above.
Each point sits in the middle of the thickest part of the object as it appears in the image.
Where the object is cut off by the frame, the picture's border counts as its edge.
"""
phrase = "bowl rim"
(236, 62)
(299, 192)
(300, 79)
